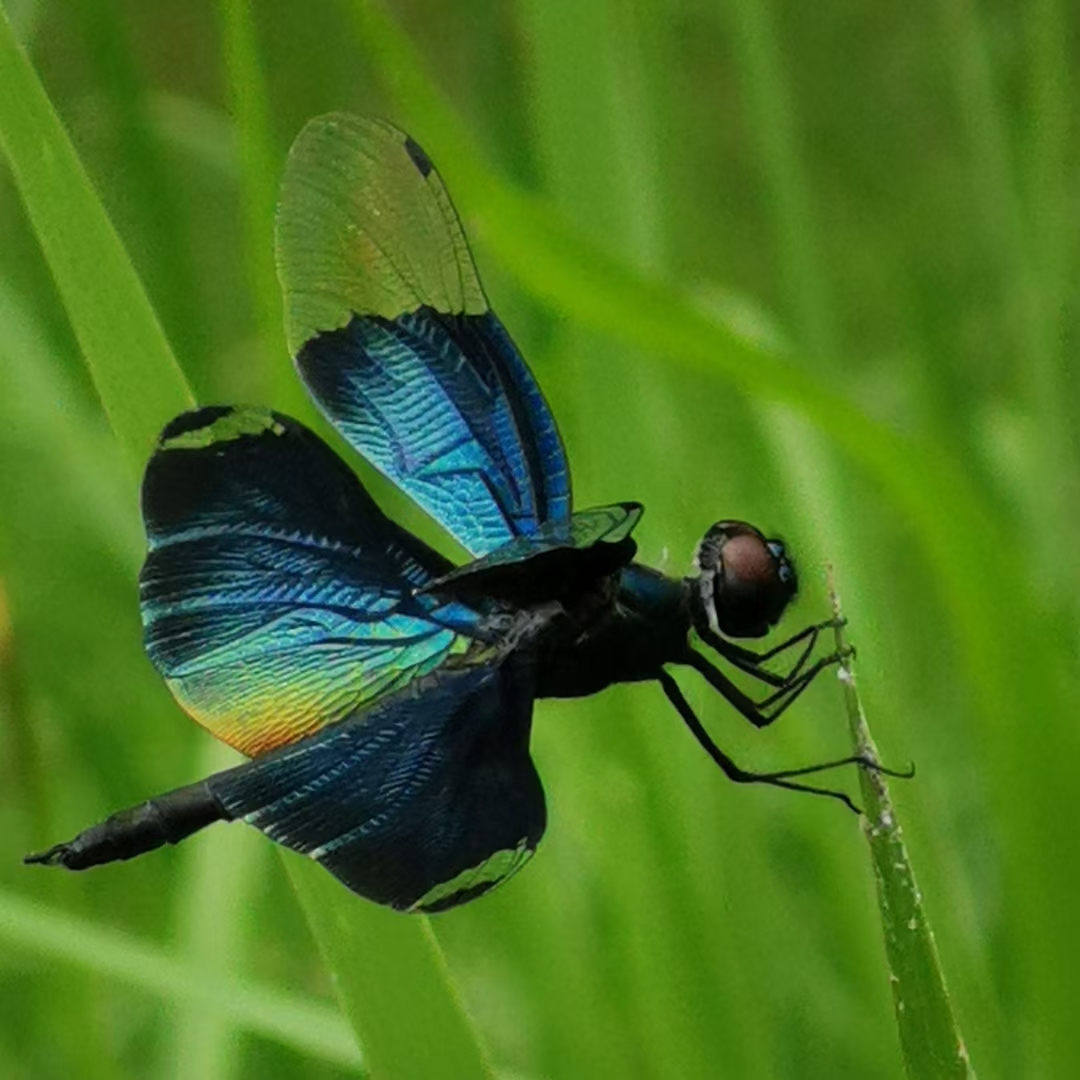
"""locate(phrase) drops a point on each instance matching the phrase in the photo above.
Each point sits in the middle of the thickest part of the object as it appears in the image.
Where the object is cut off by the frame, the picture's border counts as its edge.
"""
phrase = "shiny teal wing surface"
(394, 338)
(276, 596)
(426, 800)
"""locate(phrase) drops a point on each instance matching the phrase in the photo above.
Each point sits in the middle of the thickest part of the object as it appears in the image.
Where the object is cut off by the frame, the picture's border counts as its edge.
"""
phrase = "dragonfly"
(382, 694)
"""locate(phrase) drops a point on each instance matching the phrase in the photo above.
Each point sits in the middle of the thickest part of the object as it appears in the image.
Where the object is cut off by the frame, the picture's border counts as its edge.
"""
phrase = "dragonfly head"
(744, 580)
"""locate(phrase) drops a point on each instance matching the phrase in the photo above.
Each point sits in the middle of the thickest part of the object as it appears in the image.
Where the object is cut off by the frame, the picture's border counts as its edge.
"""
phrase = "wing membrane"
(427, 800)
(276, 596)
(393, 336)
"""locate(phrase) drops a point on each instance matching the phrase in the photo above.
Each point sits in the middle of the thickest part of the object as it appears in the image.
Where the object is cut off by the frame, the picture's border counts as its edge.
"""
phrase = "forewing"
(393, 336)
(276, 597)
(427, 800)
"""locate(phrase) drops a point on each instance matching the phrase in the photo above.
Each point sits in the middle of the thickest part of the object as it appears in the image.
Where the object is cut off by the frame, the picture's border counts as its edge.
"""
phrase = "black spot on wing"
(419, 158)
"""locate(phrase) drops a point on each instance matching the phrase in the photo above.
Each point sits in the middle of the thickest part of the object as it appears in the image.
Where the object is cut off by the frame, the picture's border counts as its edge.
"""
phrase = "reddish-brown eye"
(745, 580)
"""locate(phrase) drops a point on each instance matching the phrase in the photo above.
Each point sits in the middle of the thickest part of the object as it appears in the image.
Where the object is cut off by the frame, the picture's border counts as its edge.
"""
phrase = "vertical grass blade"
(221, 874)
(393, 983)
(930, 1038)
(259, 172)
(133, 368)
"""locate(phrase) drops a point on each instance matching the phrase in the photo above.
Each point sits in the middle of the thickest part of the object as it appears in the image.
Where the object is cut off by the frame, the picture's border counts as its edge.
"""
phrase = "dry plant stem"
(930, 1038)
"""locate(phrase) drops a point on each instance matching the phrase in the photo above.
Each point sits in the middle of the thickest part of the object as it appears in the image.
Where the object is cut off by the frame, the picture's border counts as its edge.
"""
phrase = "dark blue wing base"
(561, 574)
(425, 801)
(564, 562)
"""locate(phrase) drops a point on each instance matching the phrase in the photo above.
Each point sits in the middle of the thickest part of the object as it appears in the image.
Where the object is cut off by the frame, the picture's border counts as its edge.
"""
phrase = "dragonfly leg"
(782, 779)
(750, 666)
(760, 713)
(785, 695)
(751, 662)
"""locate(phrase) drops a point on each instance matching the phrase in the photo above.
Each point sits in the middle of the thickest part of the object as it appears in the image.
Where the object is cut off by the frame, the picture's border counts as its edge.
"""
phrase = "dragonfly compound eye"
(746, 580)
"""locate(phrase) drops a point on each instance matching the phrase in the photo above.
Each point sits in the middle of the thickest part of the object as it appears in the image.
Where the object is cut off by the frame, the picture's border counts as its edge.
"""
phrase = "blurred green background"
(881, 203)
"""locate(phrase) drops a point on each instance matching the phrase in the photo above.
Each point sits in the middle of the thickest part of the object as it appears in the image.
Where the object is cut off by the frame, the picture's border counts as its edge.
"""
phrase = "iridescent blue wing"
(393, 336)
(276, 596)
(426, 800)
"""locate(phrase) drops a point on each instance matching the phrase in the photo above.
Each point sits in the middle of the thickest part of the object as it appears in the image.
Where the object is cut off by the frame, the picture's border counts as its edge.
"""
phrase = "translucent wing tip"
(366, 227)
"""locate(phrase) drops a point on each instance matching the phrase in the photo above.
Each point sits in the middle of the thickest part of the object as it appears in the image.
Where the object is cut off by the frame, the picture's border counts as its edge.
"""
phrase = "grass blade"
(392, 982)
(258, 173)
(307, 1026)
(135, 373)
(930, 1038)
